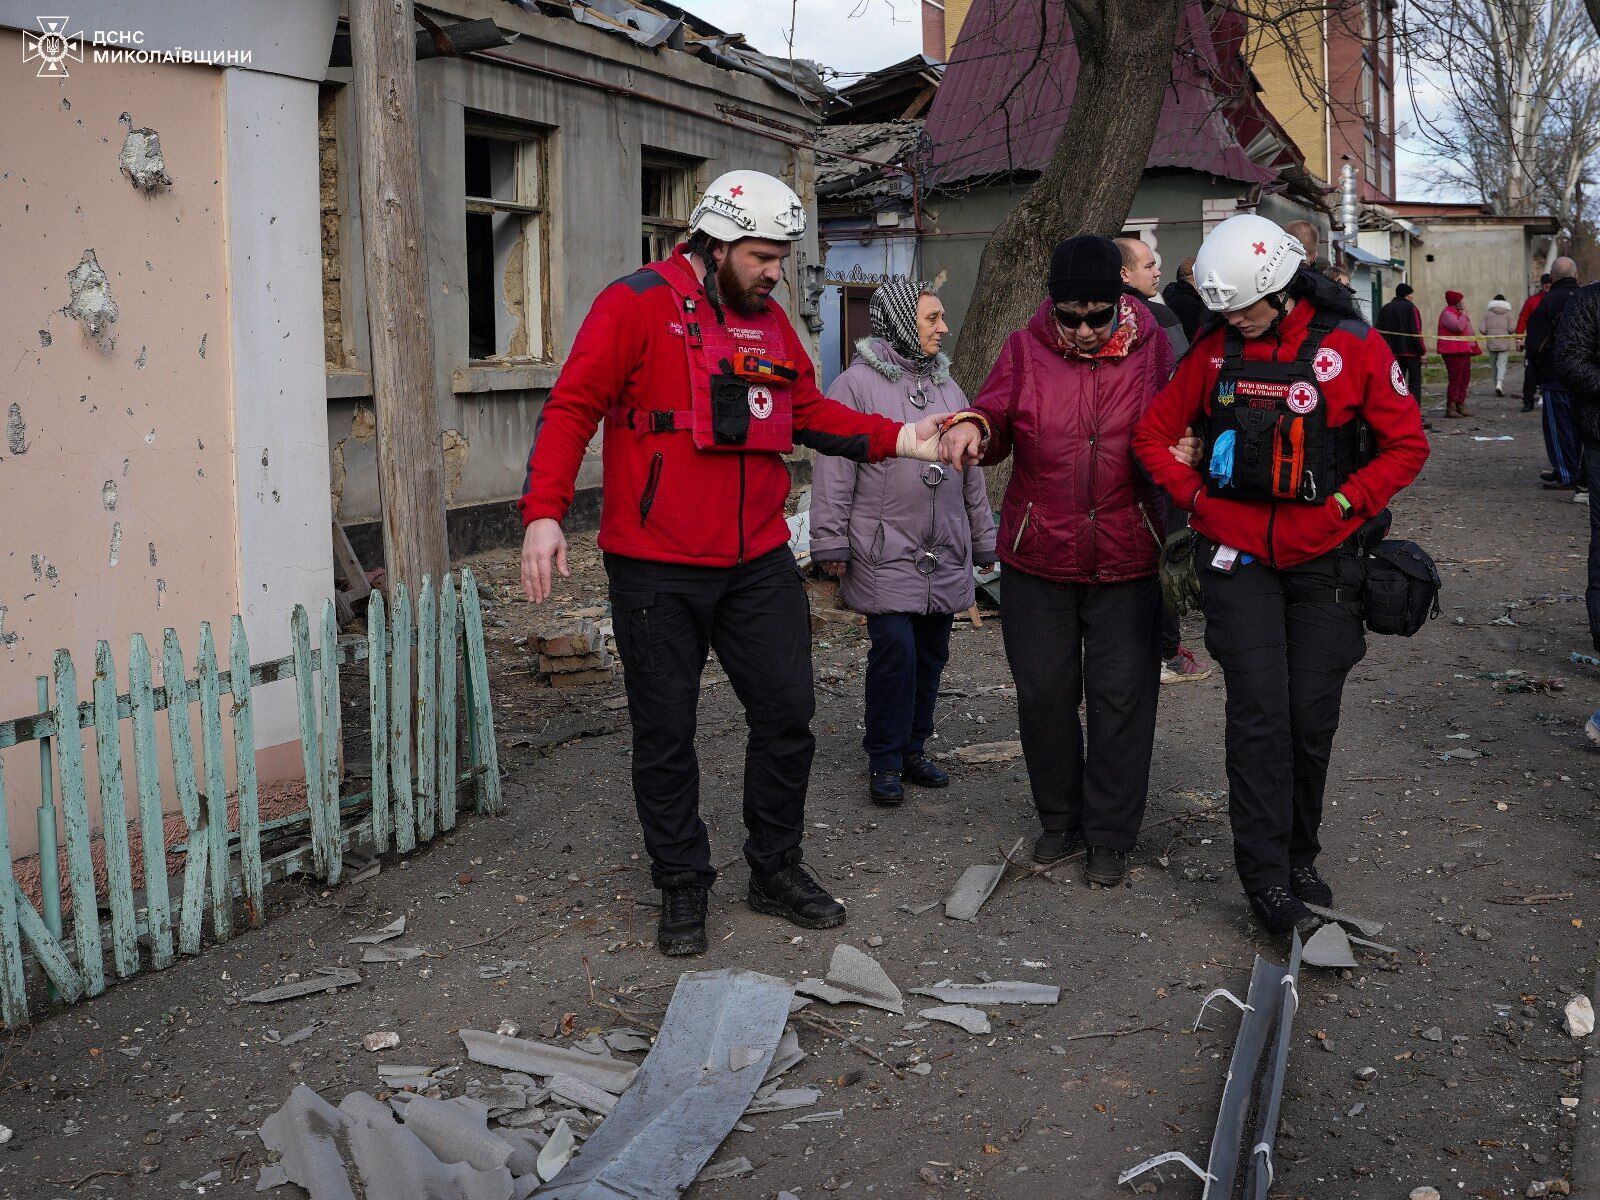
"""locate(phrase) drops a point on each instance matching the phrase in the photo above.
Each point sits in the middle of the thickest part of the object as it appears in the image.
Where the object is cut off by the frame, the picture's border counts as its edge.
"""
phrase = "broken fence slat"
(49, 952)
(449, 641)
(114, 814)
(427, 736)
(484, 752)
(405, 808)
(378, 710)
(75, 816)
(244, 763)
(147, 782)
(181, 737)
(310, 743)
(216, 793)
(13, 984)
(332, 740)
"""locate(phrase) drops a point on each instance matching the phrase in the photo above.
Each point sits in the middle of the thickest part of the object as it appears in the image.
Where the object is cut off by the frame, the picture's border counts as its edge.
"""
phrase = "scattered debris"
(1579, 1017)
(854, 977)
(323, 979)
(728, 1168)
(537, 1058)
(782, 1100)
(1424, 1193)
(973, 1020)
(556, 1152)
(1329, 947)
(508, 1029)
(786, 1056)
(374, 1042)
(582, 1095)
(1361, 925)
(975, 886)
(998, 992)
(986, 752)
(16, 430)
(392, 930)
(574, 657)
(142, 162)
(385, 954)
(618, 1039)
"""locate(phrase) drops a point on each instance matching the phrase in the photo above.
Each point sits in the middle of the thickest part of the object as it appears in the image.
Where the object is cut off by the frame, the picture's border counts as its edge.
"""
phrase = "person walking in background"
(1560, 438)
(1183, 298)
(1530, 388)
(1079, 536)
(1140, 274)
(1499, 336)
(901, 537)
(1401, 326)
(1457, 345)
(1576, 364)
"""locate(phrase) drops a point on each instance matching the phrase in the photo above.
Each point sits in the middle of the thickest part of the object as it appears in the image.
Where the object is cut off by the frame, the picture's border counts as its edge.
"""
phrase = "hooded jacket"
(1454, 321)
(882, 518)
(1077, 508)
(1367, 383)
(1183, 298)
(1541, 337)
(1499, 327)
(1575, 362)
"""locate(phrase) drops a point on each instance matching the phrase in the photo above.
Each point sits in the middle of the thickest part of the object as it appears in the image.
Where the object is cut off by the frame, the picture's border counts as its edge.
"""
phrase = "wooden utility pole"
(410, 460)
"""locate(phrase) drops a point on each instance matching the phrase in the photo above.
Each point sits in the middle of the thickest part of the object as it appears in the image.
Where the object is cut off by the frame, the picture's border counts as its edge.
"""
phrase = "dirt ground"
(163, 1081)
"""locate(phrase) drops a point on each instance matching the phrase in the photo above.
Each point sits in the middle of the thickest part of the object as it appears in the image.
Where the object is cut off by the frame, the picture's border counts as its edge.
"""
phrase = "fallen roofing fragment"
(782, 1100)
(854, 977)
(728, 1168)
(537, 1058)
(976, 885)
(973, 1020)
(686, 1098)
(323, 979)
(457, 1131)
(998, 992)
(986, 752)
(789, 1053)
(627, 1039)
(372, 937)
(384, 954)
(582, 1095)
(556, 1153)
(1329, 947)
(1361, 925)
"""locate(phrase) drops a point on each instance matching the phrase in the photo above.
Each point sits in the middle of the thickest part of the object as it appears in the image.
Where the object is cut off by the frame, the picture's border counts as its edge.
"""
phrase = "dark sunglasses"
(1095, 318)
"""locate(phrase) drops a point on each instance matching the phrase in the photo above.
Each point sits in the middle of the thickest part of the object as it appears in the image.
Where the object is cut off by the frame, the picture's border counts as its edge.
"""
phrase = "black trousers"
(1100, 643)
(1412, 368)
(757, 617)
(1286, 640)
(1591, 480)
(1530, 387)
(904, 665)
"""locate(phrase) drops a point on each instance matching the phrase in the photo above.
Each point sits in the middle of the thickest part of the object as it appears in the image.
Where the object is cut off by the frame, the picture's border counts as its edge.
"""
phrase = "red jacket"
(1369, 383)
(1077, 508)
(1528, 305)
(663, 499)
(1454, 320)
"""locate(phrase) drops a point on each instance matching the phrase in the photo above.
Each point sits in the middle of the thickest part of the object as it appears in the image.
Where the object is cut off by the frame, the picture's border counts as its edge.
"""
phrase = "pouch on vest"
(730, 407)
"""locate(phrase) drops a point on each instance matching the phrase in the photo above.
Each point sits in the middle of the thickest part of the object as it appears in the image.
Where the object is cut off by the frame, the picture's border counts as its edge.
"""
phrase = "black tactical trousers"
(1286, 639)
(757, 617)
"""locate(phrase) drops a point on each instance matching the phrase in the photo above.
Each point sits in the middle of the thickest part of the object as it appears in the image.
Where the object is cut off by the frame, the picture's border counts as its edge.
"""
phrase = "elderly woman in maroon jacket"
(902, 537)
(1080, 541)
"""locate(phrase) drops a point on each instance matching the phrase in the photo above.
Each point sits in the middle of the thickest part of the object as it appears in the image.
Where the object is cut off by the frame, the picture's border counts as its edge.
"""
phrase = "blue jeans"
(1591, 477)
(908, 654)
(1560, 435)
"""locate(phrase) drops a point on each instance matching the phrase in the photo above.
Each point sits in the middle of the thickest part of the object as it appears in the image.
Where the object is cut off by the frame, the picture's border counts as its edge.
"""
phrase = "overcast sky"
(854, 36)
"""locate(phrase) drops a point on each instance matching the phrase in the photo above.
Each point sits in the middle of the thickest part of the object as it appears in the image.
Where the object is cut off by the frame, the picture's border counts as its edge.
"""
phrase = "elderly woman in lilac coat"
(902, 537)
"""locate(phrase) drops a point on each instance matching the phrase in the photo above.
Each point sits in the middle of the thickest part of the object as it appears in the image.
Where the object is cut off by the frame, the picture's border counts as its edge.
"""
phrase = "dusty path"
(169, 1069)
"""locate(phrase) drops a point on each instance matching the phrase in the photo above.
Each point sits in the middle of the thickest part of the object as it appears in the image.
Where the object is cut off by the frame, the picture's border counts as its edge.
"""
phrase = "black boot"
(1280, 911)
(884, 788)
(1309, 886)
(791, 893)
(1056, 846)
(1108, 868)
(920, 772)
(682, 929)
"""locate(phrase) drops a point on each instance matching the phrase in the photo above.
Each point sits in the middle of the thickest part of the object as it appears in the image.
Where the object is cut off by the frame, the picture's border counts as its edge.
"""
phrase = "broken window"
(668, 197)
(508, 311)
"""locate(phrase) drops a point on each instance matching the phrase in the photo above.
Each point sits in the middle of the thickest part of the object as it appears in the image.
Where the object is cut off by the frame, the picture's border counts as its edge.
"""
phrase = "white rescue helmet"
(1243, 259)
(749, 204)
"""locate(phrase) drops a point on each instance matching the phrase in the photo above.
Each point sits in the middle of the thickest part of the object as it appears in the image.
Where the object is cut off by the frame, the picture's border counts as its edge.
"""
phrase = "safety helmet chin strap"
(701, 245)
(1279, 300)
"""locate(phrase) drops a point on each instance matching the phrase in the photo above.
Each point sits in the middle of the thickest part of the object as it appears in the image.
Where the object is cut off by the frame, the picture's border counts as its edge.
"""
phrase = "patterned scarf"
(893, 310)
(1115, 346)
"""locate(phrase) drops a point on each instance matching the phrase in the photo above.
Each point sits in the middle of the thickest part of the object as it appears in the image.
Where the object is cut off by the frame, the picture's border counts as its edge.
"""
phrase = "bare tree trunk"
(1125, 50)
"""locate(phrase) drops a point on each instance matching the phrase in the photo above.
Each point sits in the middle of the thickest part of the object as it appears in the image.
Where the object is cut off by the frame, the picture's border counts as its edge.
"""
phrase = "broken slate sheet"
(687, 1094)
(392, 930)
(854, 977)
(999, 992)
(1328, 947)
(538, 1058)
(975, 886)
(323, 979)
(973, 1020)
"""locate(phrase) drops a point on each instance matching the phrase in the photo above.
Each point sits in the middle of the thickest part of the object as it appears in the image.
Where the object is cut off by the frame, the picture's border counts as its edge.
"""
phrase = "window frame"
(532, 175)
(683, 174)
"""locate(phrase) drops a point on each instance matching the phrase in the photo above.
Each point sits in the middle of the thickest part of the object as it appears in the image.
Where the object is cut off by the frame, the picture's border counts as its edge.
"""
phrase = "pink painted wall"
(152, 416)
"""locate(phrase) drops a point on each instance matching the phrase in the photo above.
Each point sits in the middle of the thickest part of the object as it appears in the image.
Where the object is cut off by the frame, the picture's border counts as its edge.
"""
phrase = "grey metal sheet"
(686, 1098)
(998, 992)
(1269, 1088)
(539, 1058)
(854, 977)
(1227, 1153)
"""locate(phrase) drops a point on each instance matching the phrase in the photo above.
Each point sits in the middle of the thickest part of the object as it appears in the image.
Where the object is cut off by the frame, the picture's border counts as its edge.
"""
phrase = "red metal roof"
(1004, 100)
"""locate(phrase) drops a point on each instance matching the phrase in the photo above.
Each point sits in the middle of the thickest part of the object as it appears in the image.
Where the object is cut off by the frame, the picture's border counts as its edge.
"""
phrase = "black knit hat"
(1087, 267)
(1405, 289)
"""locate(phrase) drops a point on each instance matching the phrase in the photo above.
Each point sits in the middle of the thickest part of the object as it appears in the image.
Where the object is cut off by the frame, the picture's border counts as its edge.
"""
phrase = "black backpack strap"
(1233, 351)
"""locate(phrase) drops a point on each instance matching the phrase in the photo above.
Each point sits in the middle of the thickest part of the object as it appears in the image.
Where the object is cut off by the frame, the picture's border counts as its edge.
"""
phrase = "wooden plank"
(215, 796)
(348, 567)
(405, 813)
(114, 814)
(310, 744)
(484, 752)
(47, 950)
(13, 983)
(244, 765)
(75, 816)
(427, 742)
(179, 734)
(147, 781)
(449, 620)
(378, 705)
(332, 738)
(192, 907)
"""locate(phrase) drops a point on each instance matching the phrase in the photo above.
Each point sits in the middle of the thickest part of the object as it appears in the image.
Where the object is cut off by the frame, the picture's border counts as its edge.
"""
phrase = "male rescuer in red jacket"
(703, 387)
(1308, 432)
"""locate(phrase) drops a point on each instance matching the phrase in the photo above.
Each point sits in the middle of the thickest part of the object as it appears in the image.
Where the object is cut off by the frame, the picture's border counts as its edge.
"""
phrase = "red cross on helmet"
(1243, 259)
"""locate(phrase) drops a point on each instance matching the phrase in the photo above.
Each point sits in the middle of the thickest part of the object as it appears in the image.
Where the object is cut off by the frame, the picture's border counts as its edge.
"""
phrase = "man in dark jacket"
(1576, 363)
(1401, 326)
(1528, 305)
(1560, 438)
(1184, 299)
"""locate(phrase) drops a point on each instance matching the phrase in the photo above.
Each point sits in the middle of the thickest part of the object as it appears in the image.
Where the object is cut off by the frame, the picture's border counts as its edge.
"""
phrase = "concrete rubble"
(575, 656)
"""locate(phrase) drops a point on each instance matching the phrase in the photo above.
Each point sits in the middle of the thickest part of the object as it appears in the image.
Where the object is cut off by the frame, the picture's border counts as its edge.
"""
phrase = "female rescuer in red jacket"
(1308, 431)
(703, 387)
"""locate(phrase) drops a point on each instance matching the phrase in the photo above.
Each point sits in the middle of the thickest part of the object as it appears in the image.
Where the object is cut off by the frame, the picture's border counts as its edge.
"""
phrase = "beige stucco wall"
(151, 417)
(1478, 260)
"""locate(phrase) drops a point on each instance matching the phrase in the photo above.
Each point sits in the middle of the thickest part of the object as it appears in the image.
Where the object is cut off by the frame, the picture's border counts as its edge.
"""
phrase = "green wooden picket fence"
(413, 677)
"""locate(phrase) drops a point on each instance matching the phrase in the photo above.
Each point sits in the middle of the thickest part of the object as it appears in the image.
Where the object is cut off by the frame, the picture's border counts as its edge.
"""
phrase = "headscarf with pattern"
(893, 310)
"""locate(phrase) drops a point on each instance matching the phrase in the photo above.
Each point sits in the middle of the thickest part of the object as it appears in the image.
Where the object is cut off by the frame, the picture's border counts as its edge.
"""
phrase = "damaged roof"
(659, 24)
(842, 180)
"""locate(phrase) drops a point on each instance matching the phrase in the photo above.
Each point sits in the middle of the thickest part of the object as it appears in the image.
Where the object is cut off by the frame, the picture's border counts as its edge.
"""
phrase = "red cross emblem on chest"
(1324, 363)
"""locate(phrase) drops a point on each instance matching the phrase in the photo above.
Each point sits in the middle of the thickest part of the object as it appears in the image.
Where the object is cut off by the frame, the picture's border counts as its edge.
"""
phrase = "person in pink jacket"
(1457, 351)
